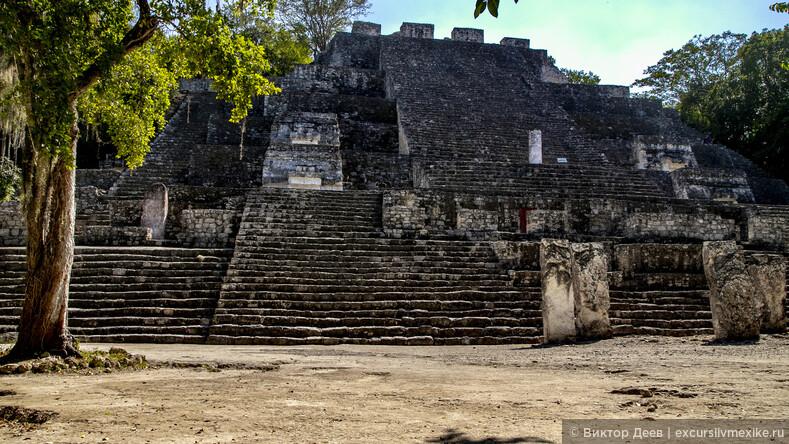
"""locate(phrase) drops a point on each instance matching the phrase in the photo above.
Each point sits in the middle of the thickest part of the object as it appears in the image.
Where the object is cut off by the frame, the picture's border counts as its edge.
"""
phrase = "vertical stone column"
(558, 306)
(401, 136)
(535, 147)
(768, 275)
(590, 289)
(732, 301)
(154, 210)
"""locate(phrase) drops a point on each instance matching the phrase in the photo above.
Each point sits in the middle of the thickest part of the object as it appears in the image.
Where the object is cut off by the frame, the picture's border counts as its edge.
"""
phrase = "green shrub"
(9, 178)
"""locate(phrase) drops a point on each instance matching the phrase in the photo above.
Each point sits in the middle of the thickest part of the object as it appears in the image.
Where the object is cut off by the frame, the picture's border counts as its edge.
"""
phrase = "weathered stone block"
(477, 220)
(468, 35)
(651, 155)
(520, 43)
(732, 301)
(304, 152)
(417, 30)
(768, 275)
(366, 28)
(535, 147)
(712, 184)
(154, 210)
(558, 303)
(590, 289)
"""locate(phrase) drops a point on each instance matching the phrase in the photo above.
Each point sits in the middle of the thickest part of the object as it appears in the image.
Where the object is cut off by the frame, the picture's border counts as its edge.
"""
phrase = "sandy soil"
(491, 394)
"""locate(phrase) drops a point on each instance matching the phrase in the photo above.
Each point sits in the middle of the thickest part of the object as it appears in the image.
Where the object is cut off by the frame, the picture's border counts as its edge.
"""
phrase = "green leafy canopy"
(491, 5)
(116, 61)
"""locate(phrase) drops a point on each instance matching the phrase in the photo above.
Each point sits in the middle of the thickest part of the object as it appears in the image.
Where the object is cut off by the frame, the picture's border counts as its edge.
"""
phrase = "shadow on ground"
(452, 436)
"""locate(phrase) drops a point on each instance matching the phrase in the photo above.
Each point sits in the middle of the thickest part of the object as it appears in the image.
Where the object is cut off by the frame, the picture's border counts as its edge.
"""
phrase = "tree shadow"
(728, 343)
(452, 436)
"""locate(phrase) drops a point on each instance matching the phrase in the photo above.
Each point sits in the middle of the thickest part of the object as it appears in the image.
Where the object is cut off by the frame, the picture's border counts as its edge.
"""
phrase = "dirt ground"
(368, 394)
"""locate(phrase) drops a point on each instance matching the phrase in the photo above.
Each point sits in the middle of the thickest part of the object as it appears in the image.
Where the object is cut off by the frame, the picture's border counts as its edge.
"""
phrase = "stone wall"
(375, 170)
(403, 213)
(352, 50)
(208, 228)
(768, 225)
(90, 199)
(127, 213)
(115, 236)
(444, 214)
(13, 231)
(223, 166)
(335, 79)
(700, 226)
(542, 222)
(474, 219)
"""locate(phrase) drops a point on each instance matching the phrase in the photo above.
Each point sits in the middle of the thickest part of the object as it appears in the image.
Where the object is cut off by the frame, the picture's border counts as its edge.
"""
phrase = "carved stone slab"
(590, 289)
(154, 210)
(732, 301)
(768, 275)
(558, 305)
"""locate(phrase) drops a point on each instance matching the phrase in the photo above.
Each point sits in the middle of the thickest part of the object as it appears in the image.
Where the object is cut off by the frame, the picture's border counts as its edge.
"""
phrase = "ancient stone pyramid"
(399, 191)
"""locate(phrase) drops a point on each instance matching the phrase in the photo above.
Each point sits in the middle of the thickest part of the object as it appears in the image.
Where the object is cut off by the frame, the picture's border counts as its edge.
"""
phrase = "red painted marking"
(524, 218)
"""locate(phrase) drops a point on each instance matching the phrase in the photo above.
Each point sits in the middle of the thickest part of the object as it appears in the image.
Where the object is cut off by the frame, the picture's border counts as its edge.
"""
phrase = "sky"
(615, 39)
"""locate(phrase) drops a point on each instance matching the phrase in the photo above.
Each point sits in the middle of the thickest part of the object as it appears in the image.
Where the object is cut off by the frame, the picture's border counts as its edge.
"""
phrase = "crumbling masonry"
(410, 190)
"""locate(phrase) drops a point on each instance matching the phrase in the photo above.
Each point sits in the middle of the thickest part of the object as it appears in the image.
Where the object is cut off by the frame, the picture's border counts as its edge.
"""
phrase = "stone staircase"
(168, 160)
(12, 287)
(666, 295)
(129, 294)
(312, 267)
(546, 180)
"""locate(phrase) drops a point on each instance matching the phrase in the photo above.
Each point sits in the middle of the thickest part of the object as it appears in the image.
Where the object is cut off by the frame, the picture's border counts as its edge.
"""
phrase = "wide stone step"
(365, 288)
(529, 307)
(380, 340)
(265, 244)
(347, 275)
(448, 295)
(406, 321)
(160, 336)
(133, 321)
(131, 331)
(177, 293)
(665, 323)
(369, 331)
(624, 330)
(103, 303)
(78, 282)
(387, 309)
(678, 313)
(121, 268)
(425, 280)
(142, 312)
(91, 288)
(372, 260)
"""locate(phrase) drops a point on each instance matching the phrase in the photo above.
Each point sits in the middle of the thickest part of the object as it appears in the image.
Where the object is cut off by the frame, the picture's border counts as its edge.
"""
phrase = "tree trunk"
(49, 207)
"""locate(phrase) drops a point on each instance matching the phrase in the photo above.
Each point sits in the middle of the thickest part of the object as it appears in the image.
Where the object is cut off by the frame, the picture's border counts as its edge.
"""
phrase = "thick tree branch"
(142, 31)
